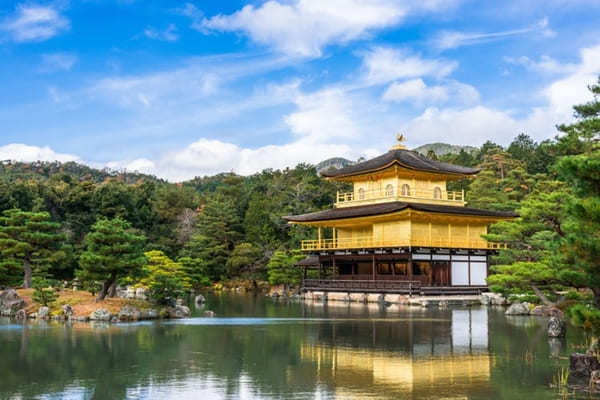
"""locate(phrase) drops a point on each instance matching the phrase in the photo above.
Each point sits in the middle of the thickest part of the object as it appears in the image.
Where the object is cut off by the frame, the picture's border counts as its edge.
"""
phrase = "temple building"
(400, 229)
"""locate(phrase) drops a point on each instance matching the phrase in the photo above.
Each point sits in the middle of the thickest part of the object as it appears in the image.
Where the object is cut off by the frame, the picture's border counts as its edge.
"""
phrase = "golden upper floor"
(400, 175)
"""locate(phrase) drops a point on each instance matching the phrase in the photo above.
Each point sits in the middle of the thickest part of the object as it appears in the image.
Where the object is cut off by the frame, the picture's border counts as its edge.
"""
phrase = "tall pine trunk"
(112, 290)
(27, 274)
(596, 291)
(105, 287)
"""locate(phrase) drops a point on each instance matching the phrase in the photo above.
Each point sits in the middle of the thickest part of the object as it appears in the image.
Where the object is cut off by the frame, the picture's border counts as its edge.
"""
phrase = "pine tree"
(218, 230)
(111, 252)
(29, 242)
(282, 270)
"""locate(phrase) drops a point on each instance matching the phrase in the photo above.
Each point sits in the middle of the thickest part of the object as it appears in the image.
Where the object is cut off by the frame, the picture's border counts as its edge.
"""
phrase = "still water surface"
(263, 349)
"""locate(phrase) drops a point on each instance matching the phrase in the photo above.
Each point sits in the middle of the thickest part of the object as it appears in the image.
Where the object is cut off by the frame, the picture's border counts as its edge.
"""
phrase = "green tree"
(218, 230)
(30, 242)
(281, 269)
(44, 293)
(165, 279)
(245, 260)
(112, 251)
(582, 225)
(195, 269)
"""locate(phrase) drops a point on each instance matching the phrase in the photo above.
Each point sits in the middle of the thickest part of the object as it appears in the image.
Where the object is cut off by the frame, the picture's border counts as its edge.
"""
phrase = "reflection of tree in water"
(277, 359)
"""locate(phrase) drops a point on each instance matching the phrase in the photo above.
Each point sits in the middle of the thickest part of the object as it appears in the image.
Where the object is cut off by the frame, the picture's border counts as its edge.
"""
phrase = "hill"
(335, 162)
(441, 149)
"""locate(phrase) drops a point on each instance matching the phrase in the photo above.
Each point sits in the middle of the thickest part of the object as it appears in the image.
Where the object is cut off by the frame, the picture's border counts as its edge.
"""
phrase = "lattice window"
(405, 190)
(389, 190)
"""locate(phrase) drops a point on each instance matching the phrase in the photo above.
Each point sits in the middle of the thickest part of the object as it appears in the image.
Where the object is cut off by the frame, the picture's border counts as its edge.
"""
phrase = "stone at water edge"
(21, 315)
(43, 313)
(10, 302)
(199, 299)
(150, 314)
(129, 313)
(518, 309)
(546, 311)
(100, 314)
(594, 383)
(209, 314)
(582, 365)
(67, 311)
(556, 327)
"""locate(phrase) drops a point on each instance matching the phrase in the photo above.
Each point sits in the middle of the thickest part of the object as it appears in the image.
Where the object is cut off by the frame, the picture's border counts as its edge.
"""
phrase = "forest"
(64, 221)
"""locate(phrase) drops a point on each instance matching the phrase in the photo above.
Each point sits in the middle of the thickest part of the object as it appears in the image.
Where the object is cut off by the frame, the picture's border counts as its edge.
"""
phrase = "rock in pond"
(556, 327)
(67, 311)
(129, 313)
(179, 312)
(494, 299)
(43, 313)
(10, 303)
(209, 314)
(546, 311)
(150, 314)
(100, 314)
(21, 315)
(518, 309)
(199, 299)
(582, 365)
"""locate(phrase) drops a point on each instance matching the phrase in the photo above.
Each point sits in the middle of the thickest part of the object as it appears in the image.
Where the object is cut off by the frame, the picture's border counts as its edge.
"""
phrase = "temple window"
(405, 190)
(437, 193)
(389, 190)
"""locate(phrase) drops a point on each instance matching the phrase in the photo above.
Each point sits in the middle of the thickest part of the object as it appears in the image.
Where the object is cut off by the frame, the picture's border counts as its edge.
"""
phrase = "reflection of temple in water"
(406, 358)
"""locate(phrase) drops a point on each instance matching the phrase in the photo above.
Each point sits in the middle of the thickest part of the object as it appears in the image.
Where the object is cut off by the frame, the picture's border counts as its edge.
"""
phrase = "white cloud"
(384, 64)
(418, 91)
(545, 64)
(24, 153)
(476, 124)
(304, 27)
(58, 62)
(453, 39)
(169, 34)
(34, 23)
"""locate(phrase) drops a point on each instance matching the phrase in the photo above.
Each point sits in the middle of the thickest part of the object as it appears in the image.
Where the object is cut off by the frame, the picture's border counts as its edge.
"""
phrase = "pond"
(259, 348)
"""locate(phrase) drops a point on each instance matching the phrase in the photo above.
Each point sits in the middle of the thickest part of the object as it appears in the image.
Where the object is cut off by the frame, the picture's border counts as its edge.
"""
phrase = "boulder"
(179, 302)
(494, 299)
(594, 383)
(546, 311)
(43, 313)
(114, 319)
(129, 313)
(67, 311)
(179, 312)
(100, 314)
(209, 314)
(199, 299)
(518, 309)
(10, 303)
(150, 314)
(21, 315)
(582, 365)
(556, 327)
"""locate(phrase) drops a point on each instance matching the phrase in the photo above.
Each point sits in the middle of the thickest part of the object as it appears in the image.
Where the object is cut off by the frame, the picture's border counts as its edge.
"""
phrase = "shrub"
(165, 288)
(43, 292)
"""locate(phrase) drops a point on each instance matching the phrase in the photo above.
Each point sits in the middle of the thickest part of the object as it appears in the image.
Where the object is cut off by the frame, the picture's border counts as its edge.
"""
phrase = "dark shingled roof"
(309, 261)
(405, 158)
(391, 207)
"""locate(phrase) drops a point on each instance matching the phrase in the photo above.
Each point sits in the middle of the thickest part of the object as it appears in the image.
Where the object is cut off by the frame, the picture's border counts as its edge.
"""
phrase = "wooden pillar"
(373, 266)
(333, 268)
(319, 235)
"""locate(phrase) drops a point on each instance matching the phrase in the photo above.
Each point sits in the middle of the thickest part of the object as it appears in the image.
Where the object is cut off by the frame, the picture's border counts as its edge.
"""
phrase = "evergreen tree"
(218, 230)
(112, 251)
(244, 260)
(282, 270)
(195, 269)
(165, 279)
(29, 242)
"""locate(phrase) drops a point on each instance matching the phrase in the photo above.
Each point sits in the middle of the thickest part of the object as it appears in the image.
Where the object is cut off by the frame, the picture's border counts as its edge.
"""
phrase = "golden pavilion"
(400, 229)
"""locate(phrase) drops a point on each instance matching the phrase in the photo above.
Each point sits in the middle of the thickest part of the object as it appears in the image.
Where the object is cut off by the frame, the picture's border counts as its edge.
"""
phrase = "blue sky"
(180, 89)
